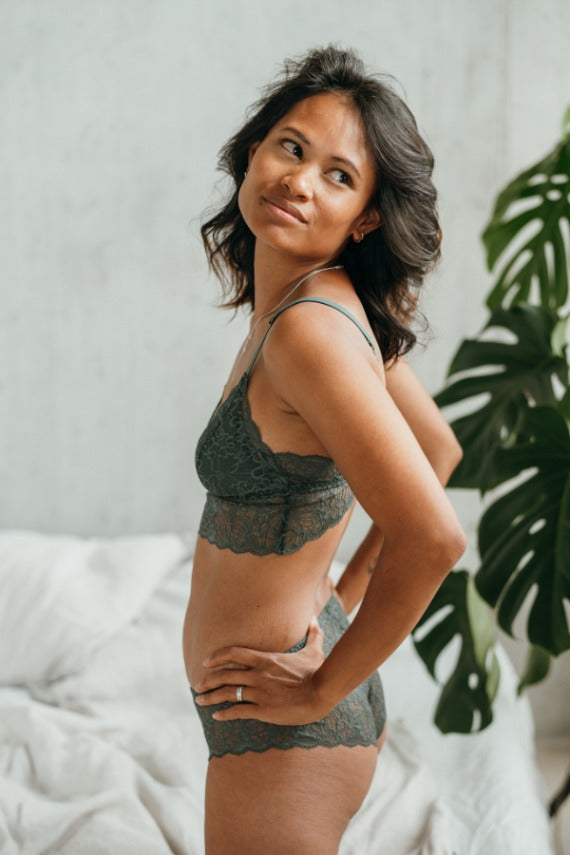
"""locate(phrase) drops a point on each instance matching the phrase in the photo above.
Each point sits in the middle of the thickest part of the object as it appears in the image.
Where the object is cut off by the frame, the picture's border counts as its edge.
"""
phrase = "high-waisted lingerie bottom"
(358, 719)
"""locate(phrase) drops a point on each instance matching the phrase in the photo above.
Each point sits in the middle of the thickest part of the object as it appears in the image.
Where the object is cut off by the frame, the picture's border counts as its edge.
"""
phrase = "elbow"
(455, 454)
(447, 456)
(446, 546)
(456, 545)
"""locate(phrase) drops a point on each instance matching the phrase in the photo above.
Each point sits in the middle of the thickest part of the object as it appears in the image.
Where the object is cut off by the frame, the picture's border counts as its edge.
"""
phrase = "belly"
(263, 602)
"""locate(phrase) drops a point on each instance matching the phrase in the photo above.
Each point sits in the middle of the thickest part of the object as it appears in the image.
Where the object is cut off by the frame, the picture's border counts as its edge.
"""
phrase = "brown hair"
(388, 267)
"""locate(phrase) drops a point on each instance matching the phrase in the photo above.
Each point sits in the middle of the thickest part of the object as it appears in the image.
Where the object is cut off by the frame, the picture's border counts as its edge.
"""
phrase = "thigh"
(293, 802)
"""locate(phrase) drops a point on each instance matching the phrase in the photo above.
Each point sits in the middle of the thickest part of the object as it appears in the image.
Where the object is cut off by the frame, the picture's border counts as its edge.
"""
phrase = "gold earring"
(359, 239)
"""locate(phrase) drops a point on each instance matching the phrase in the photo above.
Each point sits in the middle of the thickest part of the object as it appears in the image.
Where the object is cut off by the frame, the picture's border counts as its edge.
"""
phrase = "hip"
(357, 720)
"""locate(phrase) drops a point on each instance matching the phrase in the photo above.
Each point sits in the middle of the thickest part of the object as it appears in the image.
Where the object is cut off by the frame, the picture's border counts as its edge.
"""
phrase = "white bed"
(101, 750)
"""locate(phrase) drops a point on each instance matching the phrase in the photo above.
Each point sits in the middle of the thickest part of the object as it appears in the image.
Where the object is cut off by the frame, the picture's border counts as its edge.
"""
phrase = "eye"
(292, 147)
(343, 177)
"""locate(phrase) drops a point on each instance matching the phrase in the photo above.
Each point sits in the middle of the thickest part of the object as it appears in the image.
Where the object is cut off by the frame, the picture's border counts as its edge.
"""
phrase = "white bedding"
(102, 751)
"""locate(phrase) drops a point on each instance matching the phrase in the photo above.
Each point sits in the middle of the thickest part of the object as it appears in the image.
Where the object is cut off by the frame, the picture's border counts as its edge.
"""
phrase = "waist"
(233, 602)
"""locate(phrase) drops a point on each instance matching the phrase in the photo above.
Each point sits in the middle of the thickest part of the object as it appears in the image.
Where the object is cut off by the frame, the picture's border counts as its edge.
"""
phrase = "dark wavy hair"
(388, 267)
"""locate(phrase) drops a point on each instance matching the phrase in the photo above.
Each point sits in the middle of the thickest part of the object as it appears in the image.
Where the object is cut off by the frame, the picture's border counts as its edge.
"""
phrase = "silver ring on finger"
(239, 694)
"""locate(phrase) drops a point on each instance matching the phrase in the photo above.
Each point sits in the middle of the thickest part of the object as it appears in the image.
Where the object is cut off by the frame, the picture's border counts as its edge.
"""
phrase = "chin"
(279, 237)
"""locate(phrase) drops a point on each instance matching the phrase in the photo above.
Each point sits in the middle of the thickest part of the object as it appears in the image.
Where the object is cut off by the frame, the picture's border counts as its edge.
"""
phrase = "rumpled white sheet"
(111, 758)
(62, 596)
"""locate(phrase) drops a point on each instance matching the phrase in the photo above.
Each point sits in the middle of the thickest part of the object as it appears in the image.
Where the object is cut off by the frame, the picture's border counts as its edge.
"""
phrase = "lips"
(283, 205)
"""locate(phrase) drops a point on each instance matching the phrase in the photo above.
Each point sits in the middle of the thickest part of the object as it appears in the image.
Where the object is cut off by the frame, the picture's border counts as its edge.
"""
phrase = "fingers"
(230, 655)
(226, 694)
(315, 634)
(223, 677)
(240, 711)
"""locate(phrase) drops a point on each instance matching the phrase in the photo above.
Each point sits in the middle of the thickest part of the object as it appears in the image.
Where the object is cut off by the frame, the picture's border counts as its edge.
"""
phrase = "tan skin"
(439, 445)
(315, 388)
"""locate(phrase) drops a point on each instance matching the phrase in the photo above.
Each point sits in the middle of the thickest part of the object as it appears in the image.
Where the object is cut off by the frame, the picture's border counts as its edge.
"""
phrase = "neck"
(275, 275)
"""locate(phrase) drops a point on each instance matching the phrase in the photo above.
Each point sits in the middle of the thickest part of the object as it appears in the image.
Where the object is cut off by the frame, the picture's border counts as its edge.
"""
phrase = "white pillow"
(62, 596)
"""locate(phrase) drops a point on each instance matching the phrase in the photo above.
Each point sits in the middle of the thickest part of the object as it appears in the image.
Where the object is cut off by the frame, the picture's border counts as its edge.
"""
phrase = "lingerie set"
(264, 502)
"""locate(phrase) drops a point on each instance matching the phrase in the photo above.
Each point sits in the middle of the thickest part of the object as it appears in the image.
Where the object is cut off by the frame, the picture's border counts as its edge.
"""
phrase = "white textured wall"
(112, 113)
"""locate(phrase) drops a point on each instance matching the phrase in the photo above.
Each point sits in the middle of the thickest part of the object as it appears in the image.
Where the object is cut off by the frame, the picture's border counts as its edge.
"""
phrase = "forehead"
(331, 122)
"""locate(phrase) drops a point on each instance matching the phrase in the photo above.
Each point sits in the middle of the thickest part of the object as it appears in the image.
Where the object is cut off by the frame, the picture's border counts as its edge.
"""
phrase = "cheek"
(240, 199)
(252, 186)
(340, 215)
(245, 203)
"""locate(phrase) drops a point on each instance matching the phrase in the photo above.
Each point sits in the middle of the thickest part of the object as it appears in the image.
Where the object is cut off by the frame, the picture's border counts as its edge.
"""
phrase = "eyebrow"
(335, 157)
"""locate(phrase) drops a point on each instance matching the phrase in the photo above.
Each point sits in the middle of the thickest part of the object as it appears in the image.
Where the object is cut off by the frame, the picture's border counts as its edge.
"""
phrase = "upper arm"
(316, 366)
(436, 438)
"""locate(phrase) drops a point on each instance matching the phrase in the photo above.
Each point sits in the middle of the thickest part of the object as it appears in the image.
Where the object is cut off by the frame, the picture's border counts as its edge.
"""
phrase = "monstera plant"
(511, 386)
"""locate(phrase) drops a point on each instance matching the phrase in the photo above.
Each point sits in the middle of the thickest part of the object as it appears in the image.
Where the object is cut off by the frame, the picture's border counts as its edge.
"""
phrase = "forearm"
(401, 587)
(352, 585)
(440, 446)
(436, 438)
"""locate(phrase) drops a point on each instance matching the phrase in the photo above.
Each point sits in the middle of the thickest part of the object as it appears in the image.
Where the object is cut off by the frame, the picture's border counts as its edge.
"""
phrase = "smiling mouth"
(282, 212)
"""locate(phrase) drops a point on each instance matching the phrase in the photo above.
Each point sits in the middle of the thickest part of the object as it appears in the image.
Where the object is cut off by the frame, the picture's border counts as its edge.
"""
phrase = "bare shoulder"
(310, 338)
(336, 286)
(323, 370)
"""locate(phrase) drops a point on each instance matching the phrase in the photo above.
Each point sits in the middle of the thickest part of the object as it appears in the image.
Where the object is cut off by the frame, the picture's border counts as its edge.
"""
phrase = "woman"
(328, 235)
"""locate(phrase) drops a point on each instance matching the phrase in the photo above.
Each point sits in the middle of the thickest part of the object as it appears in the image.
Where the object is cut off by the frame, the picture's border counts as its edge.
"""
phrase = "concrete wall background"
(112, 351)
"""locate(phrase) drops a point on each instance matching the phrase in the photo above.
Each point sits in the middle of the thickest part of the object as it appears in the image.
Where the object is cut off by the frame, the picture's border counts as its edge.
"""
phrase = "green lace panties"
(358, 719)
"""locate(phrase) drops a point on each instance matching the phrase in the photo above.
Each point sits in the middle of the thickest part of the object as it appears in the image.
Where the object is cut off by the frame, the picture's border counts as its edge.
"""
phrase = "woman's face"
(310, 181)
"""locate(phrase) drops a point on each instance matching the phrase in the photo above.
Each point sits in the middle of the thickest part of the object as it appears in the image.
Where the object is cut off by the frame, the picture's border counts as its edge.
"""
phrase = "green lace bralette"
(258, 500)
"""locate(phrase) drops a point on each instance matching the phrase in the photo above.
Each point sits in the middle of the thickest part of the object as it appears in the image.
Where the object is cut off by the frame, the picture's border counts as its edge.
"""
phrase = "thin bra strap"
(325, 302)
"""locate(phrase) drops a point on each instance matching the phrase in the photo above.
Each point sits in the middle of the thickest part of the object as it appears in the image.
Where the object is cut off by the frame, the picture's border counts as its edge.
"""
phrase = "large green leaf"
(524, 536)
(509, 375)
(468, 693)
(564, 406)
(544, 189)
(536, 667)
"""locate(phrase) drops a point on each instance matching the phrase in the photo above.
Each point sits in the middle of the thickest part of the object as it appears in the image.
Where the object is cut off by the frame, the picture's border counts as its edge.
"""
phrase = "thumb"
(315, 632)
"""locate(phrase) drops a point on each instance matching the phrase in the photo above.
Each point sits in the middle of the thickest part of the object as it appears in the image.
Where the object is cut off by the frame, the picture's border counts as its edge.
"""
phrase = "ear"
(370, 220)
(252, 149)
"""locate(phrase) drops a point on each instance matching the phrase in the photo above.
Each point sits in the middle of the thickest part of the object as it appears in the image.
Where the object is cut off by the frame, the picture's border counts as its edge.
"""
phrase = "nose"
(299, 182)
